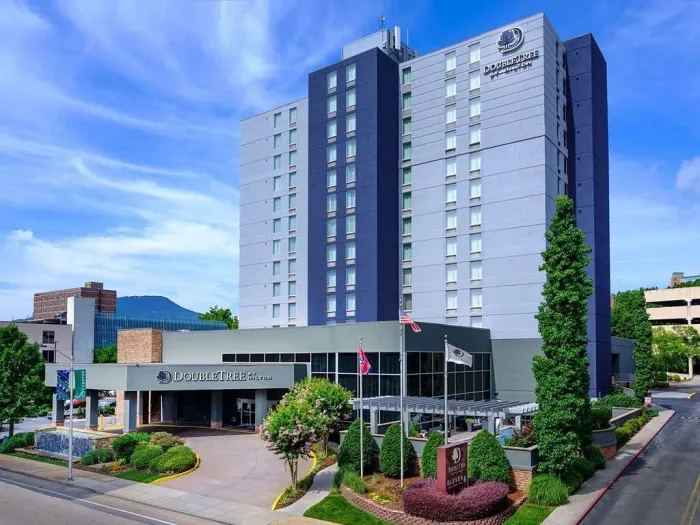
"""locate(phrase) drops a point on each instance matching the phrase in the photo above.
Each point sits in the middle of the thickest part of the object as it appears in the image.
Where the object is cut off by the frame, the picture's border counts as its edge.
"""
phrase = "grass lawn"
(50, 461)
(529, 515)
(137, 475)
(338, 510)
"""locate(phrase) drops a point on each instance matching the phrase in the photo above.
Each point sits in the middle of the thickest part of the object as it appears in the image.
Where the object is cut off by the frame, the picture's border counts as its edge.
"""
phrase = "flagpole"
(447, 438)
(401, 386)
(362, 418)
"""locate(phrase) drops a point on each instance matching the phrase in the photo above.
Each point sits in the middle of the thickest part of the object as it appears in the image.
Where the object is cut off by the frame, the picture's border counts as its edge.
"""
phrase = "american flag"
(404, 318)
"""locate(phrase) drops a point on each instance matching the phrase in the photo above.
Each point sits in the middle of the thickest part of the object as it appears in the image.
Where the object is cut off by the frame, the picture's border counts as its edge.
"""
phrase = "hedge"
(124, 445)
(619, 400)
(573, 480)
(423, 499)
(390, 452)
(428, 461)
(349, 453)
(601, 416)
(177, 459)
(594, 455)
(166, 440)
(100, 455)
(144, 454)
(19, 440)
(487, 459)
(584, 467)
(547, 490)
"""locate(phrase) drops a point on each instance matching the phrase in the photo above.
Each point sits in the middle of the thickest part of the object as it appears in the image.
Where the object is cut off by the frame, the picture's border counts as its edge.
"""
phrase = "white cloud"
(20, 235)
(688, 176)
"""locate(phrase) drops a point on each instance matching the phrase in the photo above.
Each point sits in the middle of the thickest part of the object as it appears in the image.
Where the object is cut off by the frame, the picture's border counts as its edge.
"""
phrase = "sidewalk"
(580, 503)
(154, 495)
(320, 488)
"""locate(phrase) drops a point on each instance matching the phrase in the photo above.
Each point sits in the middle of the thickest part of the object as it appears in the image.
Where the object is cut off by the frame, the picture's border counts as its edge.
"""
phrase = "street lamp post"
(71, 385)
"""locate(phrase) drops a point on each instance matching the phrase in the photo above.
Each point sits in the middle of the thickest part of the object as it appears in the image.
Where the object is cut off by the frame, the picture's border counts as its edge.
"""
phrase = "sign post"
(452, 467)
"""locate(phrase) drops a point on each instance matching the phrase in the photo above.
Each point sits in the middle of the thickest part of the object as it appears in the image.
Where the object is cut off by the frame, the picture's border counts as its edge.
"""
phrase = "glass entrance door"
(246, 411)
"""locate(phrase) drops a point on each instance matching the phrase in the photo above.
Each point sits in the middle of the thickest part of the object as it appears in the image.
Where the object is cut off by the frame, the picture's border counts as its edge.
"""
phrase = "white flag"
(458, 356)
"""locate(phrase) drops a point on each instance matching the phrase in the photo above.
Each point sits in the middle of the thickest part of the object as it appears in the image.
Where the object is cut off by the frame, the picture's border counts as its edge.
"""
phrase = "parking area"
(236, 467)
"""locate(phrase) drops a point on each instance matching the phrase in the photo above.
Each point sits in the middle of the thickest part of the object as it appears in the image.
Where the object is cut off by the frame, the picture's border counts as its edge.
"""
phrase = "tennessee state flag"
(365, 367)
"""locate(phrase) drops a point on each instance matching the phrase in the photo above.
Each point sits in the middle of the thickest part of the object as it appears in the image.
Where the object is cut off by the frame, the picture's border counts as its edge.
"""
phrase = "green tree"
(672, 348)
(105, 354)
(349, 453)
(221, 314)
(428, 460)
(390, 452)
(21, 376)
(563, 423)
(487, 461)
(629, 319)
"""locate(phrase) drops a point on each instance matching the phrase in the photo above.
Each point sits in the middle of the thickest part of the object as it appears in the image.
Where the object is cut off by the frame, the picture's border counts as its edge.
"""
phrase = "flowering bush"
(522, 437)
(423, 499)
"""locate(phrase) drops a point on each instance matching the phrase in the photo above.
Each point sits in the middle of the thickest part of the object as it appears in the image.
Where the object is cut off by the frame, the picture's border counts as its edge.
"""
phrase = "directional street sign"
(79, 384)
(62, 384)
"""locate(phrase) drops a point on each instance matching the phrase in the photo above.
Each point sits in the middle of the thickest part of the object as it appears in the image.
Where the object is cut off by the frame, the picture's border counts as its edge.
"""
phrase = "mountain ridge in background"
(155, 306)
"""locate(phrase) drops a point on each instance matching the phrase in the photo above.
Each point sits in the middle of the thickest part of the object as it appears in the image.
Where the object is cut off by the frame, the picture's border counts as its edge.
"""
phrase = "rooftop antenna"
(382, 18)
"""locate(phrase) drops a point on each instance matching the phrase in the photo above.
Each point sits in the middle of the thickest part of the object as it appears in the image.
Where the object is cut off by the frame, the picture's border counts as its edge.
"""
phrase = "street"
(25, 499)
(661, 485)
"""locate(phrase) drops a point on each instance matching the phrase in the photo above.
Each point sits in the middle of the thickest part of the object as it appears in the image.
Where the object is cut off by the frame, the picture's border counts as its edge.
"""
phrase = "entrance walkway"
(235, 467)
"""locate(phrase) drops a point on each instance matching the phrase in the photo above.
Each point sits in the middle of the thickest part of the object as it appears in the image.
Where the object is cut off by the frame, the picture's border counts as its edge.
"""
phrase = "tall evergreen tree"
(563, 423)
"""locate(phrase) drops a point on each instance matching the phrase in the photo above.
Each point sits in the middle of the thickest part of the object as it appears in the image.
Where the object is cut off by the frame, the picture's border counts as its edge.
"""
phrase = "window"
(276, 268)
(474, 135)
(276, 225)
(292, 245)
(331, 228)
(276, 289)
(406, 76)
(475, 271)
(277, 141)
(350, 122)
(350, 302)
(278, 119)
(330, 279)
(292, 223)
(275, 311)
(350, 72)
(350, 251)
(292, 137)
(474, 108)
(292, 201)
(474, 162)
(451, 61)
(350, 98)
(474, 54)
(476, 301)
(406, 226)
(292, 115)
(476, 322)
(407, 277)
(292, 288)
(451, 273)
(330, 304)
(292, 158)
(451, 87)
(292, 266)
(350, 224)
(406, 155)
(475, 217)
(293, 179)
(407, 302)
(406, 252)
(350, 148)
(475, 189)
(330, 253)
(332, 129)
(451, 300)
(451, 193)
(331, 202)
(451, 140)
(277, 204)
(350, 276)
(451, 114)
(276, 246)
(331, 153)
(331, 178)
(277, 161)
(474, 82)
(451, 247)
(350, 199)
(406, 201)
(406, 176)
(276, 183)
(475, 244)
(48, 337)
(451, 220)
(407, 126)
(350, 173)
(332, 79)
(332, 104)
(406, 100)
(292, 310)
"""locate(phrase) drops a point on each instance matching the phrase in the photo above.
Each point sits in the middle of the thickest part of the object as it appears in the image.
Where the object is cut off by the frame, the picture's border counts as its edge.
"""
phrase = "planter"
(522, 458)
(605, 441)
(621, 415)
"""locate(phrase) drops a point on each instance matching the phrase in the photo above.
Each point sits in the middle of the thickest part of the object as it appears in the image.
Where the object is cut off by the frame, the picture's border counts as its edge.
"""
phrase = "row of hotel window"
(350, 175)
(277, 181)
(450, 217)
(450, 198)
(277, 139)
(450, 145)
(450, 168)
(450, 247)
(350, 101)
(350, 252)
(450, 91)
(350, 151)
(277, 118)
(332, 76)
(475, 273)
(350, 126)
(450, 118)
(332, 200)
(277, 246)
(450, 63)
(291, 310)
(451, 301)
(292, 160)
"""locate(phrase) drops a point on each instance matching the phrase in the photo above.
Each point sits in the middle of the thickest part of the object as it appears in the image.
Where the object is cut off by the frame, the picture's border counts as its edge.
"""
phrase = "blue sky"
(119, 129)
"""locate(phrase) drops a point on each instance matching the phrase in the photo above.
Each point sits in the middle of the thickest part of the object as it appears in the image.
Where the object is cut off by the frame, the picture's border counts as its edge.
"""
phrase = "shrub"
(349, 453)
(573, 480)
(177, 459)
(478, 501)
(124, 446)
(428, 461)
(19, 440)
(661, 376)
(650, 412)
(622, 435)
(107, 410)
(547, 490)
(144, 454)
(352, 479)
(413, 429)
(487, 459)
(523, 437)
(594, 455)
(659, 384)
(166, 440)
(619, 400)
(100, 455)
(675, 377)
(390, 452)
(141, 437)
(584, 467)
(601, 416)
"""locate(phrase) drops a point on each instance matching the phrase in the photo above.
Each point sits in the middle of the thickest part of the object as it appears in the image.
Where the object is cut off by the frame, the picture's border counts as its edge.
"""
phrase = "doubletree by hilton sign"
(510, 40)
(164, 376)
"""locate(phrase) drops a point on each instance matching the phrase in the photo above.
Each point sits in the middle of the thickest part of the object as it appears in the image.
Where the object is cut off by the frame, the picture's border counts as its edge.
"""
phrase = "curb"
(622, 471)
(313, 466)
(179, 475)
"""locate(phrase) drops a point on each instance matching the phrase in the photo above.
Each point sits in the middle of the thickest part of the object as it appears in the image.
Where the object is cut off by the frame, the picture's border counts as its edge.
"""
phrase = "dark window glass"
(317, 374)
(451, 380)
(438, 385)
(478, 361)
(460, 382)
(373, 358)
(413, 360)
(389, 363)
(287, 358)
(413, 386)
(370, 387)
(331, 362)
(451, 367)
(349, 381)
(478, 396)
(388, 417)
(487, 361)
(478, 381)
(347, 363)
(487, 383)
(438, 362)
(426, 363)
(49, 356)
(257, 358)
(47, 337)
(426, 385)
(242, 358)
(390, 385)
(272, 358)
(228, 358)
(303, 358)
(470, 382)
(319, 363)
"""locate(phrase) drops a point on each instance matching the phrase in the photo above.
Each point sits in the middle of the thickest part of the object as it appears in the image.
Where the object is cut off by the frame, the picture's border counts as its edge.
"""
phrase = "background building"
(49, 306)
(674, 306)
(680, 278)
(55, 341)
